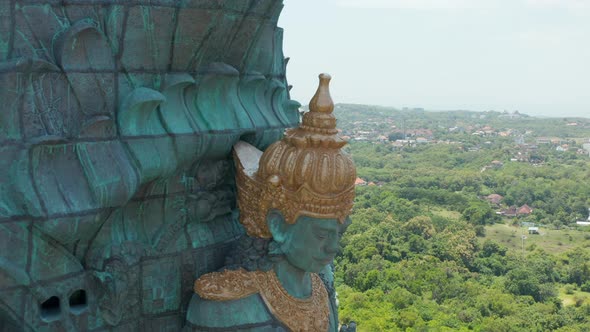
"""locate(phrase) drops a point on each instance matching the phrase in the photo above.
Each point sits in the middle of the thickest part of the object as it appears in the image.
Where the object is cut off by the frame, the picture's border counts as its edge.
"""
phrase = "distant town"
(398, 130)
(519, 137)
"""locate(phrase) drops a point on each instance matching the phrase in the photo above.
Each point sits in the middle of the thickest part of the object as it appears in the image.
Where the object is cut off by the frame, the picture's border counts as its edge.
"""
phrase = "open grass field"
(453, 215)
(550, 240)
(573, 296)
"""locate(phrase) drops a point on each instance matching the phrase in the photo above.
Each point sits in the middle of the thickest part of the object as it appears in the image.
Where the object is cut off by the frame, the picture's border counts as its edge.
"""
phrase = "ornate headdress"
(305, 173)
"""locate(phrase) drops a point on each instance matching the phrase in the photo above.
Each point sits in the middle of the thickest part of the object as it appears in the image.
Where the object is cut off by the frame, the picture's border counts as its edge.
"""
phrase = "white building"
(584, 223)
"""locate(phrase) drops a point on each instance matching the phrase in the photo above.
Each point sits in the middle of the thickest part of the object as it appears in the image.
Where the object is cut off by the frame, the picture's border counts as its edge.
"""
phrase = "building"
(495, 199)
(584, 223)
(510, 212)
(525, 209)
(360, 182)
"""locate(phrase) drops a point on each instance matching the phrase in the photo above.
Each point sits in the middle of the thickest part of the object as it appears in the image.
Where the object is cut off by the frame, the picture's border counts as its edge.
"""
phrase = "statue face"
(311, 243)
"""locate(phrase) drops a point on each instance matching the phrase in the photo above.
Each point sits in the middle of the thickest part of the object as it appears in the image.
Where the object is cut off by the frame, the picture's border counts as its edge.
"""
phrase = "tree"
(479, 213)
(526, 281)
(455, 245)
(395, 136)
(421, 226)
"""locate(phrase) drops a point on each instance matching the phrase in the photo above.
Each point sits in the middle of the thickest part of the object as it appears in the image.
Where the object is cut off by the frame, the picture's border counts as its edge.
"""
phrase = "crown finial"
(305, 173)
(322, 101)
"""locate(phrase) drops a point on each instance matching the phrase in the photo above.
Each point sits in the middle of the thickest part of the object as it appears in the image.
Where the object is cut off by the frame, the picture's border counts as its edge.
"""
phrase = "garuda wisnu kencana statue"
(117, 122)
(298, 195)
(117, 190)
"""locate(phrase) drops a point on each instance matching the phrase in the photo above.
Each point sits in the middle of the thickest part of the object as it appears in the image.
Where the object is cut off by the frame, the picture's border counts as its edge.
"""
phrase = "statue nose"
(332, 246)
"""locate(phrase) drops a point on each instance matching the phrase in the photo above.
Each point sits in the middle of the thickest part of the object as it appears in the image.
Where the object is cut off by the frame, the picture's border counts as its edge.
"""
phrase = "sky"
(527, 55)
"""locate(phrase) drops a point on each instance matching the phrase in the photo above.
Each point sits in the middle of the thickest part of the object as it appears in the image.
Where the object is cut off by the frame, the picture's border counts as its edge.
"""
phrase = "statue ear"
(277, 226)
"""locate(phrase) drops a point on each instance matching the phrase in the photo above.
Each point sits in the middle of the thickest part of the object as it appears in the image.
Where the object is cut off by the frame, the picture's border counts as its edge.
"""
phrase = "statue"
(117, 123)
(298, 193)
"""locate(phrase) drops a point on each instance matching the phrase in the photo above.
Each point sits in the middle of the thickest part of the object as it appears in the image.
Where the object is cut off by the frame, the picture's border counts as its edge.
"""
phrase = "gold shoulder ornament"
(309, 314)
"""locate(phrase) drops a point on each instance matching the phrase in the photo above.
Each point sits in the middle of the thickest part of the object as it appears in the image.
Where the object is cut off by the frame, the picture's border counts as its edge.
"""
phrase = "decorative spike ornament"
(322, 101)
(305, 173)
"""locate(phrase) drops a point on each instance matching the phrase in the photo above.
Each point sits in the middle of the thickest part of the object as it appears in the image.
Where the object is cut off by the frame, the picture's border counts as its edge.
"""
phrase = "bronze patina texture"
(298, 193)
(117, 120)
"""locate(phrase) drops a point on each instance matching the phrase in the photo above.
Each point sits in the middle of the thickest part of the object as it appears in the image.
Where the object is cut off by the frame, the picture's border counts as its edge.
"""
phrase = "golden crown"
(305, 173)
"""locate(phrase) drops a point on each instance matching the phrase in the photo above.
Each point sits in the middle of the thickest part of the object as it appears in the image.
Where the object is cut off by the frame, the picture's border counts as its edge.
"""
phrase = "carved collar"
(309, 314)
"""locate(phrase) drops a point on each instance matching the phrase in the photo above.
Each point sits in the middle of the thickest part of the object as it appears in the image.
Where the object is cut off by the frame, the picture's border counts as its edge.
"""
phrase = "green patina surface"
(304, 246)
(230, 314)
(117, 122)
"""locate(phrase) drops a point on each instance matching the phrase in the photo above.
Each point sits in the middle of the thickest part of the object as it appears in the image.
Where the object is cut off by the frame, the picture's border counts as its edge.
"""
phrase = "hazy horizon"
(410, 109)
(530, 56)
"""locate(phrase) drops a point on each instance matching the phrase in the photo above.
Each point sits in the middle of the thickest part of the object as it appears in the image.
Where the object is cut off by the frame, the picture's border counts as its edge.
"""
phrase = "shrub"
(579, 301)
(480, 231)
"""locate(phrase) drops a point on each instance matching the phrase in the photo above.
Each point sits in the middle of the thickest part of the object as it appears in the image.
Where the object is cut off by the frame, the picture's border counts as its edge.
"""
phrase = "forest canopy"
(433, 244)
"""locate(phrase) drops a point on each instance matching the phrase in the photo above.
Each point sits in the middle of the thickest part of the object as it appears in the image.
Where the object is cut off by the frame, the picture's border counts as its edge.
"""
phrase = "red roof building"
(525, 209)
(360, 182)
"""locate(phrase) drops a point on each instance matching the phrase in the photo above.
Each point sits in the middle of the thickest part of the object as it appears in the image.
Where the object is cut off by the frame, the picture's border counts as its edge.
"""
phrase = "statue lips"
(325, 261)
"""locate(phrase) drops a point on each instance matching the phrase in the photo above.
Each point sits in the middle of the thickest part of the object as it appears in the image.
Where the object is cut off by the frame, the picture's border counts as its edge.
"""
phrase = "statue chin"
(247, 293)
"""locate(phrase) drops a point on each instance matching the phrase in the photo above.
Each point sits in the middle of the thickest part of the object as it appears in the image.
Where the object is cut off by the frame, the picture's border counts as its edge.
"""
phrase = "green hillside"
(429, 251)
